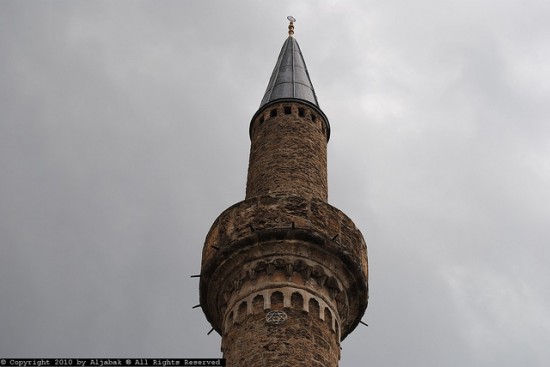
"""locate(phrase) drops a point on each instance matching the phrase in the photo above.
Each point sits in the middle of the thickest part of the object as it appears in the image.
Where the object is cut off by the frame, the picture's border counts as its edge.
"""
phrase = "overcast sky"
(124, 133)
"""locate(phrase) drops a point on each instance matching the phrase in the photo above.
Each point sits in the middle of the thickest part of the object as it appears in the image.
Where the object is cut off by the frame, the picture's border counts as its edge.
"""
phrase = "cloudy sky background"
(124, 133)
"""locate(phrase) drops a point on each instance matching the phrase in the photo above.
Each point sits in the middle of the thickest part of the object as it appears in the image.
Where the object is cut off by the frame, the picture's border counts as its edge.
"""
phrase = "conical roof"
(290, 78)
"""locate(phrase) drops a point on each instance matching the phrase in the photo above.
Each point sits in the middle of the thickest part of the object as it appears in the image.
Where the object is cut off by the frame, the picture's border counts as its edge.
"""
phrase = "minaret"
(284, 274)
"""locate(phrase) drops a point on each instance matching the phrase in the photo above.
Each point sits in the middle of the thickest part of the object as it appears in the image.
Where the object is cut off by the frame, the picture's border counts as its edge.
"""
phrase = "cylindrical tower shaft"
(288, 153)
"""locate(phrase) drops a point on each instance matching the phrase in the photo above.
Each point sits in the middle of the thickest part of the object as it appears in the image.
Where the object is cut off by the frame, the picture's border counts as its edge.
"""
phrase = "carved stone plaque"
(275, 317)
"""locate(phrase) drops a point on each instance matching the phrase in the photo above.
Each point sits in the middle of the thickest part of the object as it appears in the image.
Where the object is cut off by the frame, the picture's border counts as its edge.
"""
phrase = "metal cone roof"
(290, 78)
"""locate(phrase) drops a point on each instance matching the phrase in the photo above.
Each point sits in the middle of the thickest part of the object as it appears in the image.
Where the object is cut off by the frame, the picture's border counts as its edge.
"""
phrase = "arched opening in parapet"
(242, 310)
(297, 301)
(277, 300)
(301, 112)
(273, 112)
(314, 307)
(288, 110)
(258, 303)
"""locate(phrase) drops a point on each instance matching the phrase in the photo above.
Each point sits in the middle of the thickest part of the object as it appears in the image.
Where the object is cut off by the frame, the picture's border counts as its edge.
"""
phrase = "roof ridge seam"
(278, 68)
(292, 58)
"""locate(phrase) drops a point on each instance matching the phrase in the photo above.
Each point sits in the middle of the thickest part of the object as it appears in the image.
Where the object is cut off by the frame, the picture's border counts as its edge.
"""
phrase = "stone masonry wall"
(302, 340)
(288, 153)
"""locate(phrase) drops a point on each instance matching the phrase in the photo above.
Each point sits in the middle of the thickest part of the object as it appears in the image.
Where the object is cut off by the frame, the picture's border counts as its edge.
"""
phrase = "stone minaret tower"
(284, 274)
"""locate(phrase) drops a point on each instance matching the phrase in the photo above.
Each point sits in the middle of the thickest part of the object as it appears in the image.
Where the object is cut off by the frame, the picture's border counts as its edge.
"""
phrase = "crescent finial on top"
(291, 19)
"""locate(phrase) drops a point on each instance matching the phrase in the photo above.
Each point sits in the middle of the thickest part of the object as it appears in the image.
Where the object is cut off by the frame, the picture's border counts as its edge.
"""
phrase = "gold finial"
(291, 25)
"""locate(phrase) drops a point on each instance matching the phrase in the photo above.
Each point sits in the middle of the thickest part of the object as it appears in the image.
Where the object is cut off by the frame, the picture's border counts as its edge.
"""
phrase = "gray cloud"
(124, 133)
